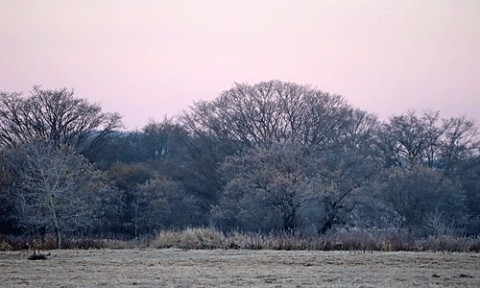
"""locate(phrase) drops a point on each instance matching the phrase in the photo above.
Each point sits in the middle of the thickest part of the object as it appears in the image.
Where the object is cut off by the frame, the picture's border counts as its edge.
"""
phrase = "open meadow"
(239, 268)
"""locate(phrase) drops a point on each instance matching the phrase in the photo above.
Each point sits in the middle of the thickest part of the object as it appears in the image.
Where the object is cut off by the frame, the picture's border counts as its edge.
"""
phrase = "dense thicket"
(273, 157)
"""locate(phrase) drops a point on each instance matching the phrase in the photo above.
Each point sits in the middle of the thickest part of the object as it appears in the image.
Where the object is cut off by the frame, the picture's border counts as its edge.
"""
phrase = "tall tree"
(265, 183)
(344, 175)
(408, 140)
(260, 115)
(280, 182)
(271, 114)
(56, 189)
(55, 116)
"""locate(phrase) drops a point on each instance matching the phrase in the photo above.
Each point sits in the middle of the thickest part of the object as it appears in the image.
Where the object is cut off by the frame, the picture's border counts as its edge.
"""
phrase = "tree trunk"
(58, 234)
(327, 225)
(135, 220)
(289, 222)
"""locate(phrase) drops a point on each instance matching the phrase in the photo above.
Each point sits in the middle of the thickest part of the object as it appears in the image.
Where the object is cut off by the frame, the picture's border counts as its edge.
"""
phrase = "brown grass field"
(239, 268)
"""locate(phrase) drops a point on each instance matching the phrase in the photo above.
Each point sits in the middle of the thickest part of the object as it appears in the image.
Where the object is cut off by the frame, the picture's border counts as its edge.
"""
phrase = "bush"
(449, 243)
(165, 239)
(199, 238)
(191, 238)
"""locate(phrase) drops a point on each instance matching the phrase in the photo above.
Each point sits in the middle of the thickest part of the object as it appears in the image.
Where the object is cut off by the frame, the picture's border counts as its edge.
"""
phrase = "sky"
(151, 59)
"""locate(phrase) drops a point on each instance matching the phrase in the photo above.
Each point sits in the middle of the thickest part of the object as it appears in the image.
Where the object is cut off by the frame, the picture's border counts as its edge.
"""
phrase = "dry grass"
(239, 268)
(49, 243)
(209, 238)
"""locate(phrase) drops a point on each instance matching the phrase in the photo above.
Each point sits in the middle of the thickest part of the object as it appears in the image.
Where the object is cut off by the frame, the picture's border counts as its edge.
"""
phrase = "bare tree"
(460, 149)
(268, 182)
(56, 189)
(403, 141)
(343, 176)
(270, 112)
(287, 178)
(55, 116)
(265, 124)
(409, 140)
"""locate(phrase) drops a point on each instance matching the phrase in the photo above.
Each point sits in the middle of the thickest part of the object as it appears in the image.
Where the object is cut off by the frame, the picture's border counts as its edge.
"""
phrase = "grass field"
(239, 268)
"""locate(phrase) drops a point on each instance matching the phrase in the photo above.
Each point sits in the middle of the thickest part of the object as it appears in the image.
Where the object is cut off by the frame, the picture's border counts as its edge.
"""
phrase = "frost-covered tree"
(56, 189)
(265, 189)
(284, 186)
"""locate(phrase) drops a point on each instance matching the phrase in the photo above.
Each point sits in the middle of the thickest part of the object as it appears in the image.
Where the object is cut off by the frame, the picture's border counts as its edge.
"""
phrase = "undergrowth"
(209, 238)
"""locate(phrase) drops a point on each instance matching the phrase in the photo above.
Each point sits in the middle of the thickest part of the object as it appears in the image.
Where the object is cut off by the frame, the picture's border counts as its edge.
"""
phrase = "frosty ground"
(239, 268)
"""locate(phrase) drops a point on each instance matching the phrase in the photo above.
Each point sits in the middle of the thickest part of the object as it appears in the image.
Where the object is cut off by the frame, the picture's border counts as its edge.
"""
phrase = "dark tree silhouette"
(55, 116)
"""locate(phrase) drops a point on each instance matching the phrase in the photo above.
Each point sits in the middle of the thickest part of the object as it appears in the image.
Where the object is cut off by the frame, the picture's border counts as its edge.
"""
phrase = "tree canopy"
(55, 116)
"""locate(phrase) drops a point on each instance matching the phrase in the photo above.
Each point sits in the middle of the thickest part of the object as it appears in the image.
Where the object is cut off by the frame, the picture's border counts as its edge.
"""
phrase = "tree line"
(273, 157)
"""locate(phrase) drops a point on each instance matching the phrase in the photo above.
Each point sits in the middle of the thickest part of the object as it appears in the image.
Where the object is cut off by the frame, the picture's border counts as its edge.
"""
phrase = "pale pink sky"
(147, 59)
